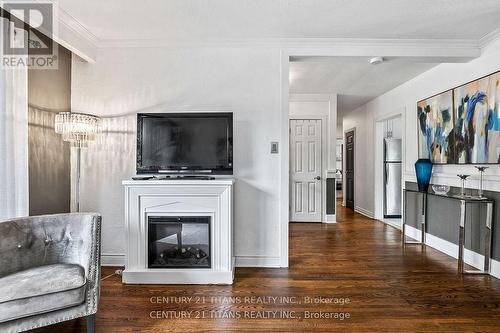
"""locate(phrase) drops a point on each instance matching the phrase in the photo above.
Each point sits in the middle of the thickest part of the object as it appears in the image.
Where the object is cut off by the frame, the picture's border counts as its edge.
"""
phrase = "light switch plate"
(275, 148)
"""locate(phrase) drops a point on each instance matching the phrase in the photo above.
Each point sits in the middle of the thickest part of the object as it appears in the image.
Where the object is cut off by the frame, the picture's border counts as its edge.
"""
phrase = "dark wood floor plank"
(391, 289)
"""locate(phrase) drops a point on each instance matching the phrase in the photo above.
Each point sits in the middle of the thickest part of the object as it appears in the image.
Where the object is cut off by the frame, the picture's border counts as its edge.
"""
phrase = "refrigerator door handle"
(385, 174)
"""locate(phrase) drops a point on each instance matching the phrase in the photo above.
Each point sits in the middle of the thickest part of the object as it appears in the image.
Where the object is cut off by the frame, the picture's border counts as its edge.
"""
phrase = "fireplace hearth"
(179, 242)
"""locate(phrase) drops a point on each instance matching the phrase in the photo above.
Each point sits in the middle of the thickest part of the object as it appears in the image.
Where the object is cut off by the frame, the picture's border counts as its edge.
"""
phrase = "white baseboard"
(112, 259)
(413, 232)
(172, 276)
(257, 261)
(364, 212)
(495, 268)
(331, 219)
(441, 245)
(116, 259)
(471, 258)
(391, 223)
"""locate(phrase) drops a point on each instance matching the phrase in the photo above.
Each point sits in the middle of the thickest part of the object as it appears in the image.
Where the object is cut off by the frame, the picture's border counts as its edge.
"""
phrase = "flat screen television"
(173, 143)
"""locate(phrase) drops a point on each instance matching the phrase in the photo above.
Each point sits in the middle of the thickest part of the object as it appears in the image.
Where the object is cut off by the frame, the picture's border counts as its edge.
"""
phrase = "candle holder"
(462, 189)
(481, 171)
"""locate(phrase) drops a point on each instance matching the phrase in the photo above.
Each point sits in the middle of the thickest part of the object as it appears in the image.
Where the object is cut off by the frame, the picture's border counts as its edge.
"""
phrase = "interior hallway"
(390, 289)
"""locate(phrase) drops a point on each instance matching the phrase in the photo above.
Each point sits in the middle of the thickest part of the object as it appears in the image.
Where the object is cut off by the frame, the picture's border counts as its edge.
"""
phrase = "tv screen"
(187, 142)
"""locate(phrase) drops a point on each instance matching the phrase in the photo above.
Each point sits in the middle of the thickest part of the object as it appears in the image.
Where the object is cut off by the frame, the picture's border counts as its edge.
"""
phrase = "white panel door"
(305, 170)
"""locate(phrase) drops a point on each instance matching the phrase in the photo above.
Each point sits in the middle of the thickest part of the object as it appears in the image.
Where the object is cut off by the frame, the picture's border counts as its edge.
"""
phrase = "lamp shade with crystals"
(77, 128)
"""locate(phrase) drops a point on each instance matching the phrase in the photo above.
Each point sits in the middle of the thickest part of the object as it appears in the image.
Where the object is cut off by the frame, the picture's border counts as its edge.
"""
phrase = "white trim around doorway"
(378, 161)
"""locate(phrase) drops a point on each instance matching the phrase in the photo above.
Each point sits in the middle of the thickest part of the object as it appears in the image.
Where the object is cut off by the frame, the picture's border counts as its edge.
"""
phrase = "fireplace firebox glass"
(179, 242)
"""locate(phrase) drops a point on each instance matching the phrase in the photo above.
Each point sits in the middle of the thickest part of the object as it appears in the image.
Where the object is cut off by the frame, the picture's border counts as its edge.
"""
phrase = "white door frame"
(378, 161)
(324, 159)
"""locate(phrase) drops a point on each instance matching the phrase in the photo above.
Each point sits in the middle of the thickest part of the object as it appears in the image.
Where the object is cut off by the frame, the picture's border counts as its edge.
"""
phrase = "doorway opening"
(388, 169)
(352, 81)
(312, 125)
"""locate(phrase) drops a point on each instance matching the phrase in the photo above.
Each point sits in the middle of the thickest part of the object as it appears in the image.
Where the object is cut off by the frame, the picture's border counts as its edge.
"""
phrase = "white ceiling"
(227, 19)
(354, 79)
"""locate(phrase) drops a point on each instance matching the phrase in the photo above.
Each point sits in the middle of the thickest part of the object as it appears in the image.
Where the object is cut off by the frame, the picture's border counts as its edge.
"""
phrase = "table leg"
(422, 222)
(461, 237)
(423, 217)
(403, 226)
(487, 240)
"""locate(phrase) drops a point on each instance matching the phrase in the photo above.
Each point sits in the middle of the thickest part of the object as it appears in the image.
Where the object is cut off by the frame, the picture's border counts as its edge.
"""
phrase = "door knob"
(317, 177)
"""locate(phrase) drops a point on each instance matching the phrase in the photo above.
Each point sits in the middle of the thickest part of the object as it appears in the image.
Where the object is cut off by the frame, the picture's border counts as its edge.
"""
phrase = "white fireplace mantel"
(178, 197)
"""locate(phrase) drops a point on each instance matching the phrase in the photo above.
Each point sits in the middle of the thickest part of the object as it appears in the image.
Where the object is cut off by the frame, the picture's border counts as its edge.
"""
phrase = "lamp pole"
(77, 128)
(78, 170)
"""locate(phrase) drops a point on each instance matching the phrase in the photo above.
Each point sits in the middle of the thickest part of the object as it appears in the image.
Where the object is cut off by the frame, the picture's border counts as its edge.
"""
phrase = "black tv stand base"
(192, 177)
(168, 177)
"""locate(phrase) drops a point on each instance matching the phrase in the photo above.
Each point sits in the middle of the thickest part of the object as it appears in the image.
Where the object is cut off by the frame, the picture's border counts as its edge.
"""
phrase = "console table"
(463, 201)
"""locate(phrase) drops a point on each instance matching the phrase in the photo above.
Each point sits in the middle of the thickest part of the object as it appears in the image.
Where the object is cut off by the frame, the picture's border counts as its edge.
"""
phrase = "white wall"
(405, 97)
(308, 108)
(125, 81)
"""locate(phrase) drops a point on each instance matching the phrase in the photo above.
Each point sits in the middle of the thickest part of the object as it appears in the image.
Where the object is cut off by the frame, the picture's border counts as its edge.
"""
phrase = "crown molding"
(489, 38)
(428, 50)
(71, 34)
(290, 43)
(76, 37)
(74, 25)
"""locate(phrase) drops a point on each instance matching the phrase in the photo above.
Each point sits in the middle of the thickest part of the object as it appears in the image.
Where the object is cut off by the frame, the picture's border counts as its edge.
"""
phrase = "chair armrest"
(49, 239)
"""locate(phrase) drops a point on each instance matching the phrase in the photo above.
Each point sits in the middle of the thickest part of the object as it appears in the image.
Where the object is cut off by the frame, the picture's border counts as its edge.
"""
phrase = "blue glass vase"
(423, 170)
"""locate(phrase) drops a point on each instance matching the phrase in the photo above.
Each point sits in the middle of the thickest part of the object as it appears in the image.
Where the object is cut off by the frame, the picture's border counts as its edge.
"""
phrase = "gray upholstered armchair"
(49, 270)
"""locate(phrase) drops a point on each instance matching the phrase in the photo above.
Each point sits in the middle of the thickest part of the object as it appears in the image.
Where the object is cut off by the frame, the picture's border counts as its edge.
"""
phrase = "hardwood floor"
(389, 290)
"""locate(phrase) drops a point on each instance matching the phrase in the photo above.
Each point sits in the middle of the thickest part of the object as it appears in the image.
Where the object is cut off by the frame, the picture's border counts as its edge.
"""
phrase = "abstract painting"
(477, 124)
(435, 128)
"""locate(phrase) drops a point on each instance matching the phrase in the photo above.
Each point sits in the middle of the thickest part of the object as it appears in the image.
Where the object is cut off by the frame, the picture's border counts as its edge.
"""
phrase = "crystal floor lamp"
(77, 129)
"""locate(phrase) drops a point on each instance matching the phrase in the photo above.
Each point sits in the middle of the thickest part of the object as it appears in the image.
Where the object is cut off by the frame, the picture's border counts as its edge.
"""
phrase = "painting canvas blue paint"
(435, 128)
(477, 121)
(462, 126)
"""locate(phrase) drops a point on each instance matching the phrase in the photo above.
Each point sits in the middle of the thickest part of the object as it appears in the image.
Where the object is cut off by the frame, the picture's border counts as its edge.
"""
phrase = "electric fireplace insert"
(179, 242)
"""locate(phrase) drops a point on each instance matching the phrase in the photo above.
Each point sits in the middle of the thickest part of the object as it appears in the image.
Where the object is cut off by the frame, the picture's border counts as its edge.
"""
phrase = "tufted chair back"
(42, 240)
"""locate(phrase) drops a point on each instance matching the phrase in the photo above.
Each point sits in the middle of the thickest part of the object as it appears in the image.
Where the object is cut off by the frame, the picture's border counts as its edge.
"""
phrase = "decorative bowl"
(441, 189)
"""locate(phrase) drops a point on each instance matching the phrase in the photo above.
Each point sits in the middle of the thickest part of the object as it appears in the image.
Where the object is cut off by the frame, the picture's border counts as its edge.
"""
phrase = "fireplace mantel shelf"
(176, 198)
(197, 182)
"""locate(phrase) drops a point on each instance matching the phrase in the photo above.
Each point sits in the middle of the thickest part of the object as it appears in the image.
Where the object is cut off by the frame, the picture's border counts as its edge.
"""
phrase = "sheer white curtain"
(13, 137)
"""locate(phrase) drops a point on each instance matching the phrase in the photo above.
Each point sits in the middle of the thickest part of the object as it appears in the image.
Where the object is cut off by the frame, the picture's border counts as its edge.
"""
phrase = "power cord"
(117, 272)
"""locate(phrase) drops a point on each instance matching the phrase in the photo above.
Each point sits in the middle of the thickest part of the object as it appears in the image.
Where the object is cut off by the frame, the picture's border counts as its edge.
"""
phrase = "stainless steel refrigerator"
(392, 178)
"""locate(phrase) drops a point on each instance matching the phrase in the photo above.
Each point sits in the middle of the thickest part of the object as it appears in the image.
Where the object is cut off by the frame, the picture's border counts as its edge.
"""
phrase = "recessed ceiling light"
(376, 60)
